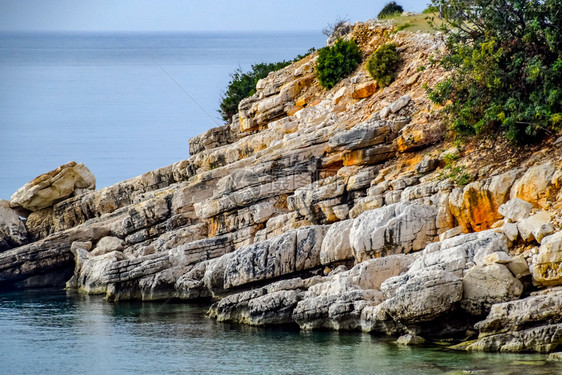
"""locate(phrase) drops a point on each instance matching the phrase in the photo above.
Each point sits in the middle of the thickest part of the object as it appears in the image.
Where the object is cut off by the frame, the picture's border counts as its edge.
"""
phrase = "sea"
(124, 104)
(52, 332)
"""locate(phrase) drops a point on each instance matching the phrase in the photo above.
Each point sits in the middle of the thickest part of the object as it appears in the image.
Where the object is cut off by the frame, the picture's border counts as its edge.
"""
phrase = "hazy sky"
(185, 15)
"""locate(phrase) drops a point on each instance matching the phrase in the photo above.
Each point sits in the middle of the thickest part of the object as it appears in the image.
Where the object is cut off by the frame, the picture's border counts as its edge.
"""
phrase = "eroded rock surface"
(54, 186)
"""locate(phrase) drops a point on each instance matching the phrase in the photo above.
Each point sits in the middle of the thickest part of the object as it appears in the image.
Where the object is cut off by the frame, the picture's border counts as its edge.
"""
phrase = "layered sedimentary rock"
(54, 186)
(336, 209)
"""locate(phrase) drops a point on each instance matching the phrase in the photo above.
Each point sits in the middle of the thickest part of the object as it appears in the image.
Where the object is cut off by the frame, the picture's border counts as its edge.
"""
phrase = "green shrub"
(391, 9)
(506, 63)
(243, 84)
(382, 64)
(337, 62)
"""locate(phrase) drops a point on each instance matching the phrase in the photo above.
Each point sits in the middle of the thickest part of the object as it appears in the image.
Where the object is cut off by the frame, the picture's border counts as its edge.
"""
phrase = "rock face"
(394, 229)
(547, 266)
(54, 186)
(295, 251)
(530, 324)
(484, 286)
(12, 230)
(336, 245)
(321, 209)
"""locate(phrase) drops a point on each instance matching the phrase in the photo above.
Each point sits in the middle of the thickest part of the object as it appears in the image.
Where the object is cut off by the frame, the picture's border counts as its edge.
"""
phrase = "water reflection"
(51, 332)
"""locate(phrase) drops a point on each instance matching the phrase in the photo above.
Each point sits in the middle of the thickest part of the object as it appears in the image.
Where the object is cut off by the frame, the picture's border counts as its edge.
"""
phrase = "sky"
(185, 15)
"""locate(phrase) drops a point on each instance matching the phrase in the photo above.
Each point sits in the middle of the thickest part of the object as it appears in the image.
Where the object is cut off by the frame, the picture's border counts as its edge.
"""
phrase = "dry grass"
(417, 22)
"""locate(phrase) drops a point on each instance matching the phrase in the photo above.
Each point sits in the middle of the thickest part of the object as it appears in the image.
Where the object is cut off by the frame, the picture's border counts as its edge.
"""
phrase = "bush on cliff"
(391, 9)
(383, 63)
(243, 84)
(506, 63)
(337, 62)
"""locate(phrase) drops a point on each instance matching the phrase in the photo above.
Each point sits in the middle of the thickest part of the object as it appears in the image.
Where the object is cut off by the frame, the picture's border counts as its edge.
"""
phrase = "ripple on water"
(55, 333)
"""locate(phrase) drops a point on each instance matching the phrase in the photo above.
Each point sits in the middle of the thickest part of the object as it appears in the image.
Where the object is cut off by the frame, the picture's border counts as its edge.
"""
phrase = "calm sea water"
(54, 333)
(102, 100)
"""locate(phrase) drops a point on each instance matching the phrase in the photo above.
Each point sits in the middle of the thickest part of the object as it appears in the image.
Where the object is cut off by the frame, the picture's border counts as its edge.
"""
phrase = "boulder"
(12, 229)
(371, 273)
(543, 339)
(40, 224)
(516, 209)
(424, 296)
(393, 229)
(52, 187)
(428, 164)
(536, 227)
(484, 286)
(80, 251)
(400, 103)
(459, 253)
(191, 285)
(518, 266)
(543, 308)
(366, 134)
(419, 134)
(476, 206)
(107, 245)
(453, 232)
(547, 264)
(364, 90)
(535, 186)
(334, 312)
(410, 340)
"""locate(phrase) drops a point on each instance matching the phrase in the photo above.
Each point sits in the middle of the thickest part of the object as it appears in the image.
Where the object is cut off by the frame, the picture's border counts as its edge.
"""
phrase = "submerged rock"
(530, 324)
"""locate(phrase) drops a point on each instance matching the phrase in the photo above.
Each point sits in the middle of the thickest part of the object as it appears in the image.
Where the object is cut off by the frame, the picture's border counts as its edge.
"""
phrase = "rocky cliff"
(345, 209)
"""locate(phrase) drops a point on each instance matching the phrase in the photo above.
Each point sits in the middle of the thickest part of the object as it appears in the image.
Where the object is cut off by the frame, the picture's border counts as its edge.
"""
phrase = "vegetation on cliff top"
(243, 84)
(506, 63)
(391, 9)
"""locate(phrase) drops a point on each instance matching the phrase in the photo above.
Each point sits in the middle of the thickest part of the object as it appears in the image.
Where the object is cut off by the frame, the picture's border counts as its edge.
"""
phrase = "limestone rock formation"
(530, 324)
(547, 266)
(393, 229)
(323, 209)
(486, 285)
(12, 229)
(54, 186)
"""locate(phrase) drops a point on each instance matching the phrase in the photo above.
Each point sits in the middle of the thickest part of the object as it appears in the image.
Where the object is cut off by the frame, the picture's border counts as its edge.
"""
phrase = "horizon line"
(30, 31)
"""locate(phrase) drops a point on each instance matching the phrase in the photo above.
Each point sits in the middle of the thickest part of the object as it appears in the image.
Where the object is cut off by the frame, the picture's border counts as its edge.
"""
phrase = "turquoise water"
(49, 332)
(102, 100)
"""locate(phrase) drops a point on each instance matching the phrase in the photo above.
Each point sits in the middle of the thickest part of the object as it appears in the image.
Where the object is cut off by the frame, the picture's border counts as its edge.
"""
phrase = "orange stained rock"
(352, 158)
(478, 211)
(364, 90)
(292, 111)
